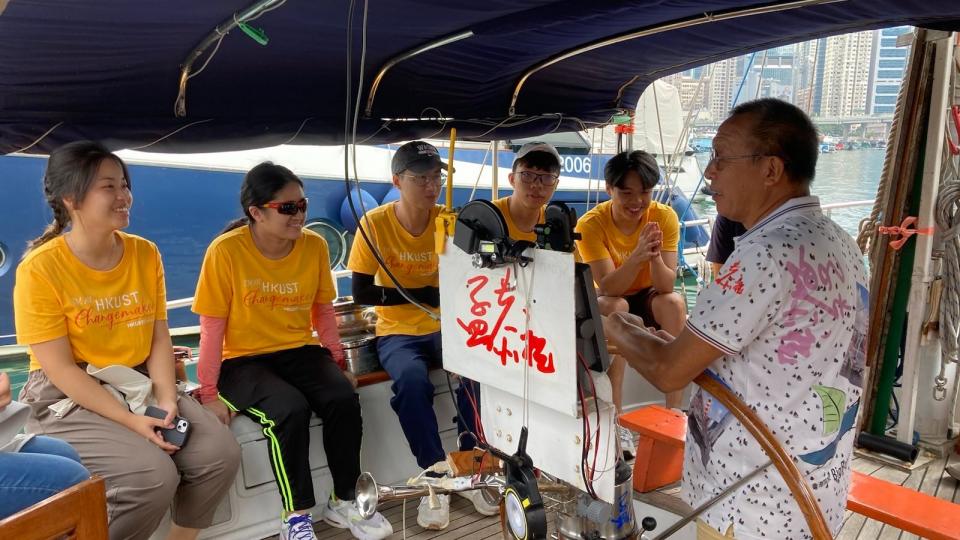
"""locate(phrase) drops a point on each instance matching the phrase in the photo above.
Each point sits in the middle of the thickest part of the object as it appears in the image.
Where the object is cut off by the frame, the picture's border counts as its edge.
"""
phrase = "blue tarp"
(109, 69)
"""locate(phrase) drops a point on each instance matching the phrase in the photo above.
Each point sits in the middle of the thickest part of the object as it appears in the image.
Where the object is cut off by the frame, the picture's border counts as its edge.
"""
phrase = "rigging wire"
(476, 183)
(349, 140)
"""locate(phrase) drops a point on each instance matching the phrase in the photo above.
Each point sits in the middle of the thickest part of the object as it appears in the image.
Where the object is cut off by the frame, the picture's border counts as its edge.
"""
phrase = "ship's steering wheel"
(778, 456)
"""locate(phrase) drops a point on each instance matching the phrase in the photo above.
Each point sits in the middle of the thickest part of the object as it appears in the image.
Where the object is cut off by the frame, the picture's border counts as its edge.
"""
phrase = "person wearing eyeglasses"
(784, 326)
(90, 297)
(630, 243)
(534, 177)
(264, 288)
(408, 336)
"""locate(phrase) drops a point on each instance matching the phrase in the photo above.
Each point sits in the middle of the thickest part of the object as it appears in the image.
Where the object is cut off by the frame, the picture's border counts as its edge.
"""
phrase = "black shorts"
(641, 304)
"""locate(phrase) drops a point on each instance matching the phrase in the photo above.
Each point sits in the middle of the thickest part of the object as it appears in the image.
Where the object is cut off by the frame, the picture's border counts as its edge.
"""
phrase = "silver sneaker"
(480, 504)
(344, 515)
(434, 518)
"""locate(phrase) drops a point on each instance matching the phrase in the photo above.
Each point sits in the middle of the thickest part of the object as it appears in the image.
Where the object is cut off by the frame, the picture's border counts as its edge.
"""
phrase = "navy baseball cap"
(416, 156)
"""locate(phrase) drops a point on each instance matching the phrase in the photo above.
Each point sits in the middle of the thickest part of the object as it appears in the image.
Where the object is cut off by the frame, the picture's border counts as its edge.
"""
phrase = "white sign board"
(504, 324)
(512, 330)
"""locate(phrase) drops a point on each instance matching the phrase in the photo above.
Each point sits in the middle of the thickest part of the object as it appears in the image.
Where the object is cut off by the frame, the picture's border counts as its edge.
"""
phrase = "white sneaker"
(627, 444)
(344, 515)
(434, 518)
(479, 503)
(297, 527)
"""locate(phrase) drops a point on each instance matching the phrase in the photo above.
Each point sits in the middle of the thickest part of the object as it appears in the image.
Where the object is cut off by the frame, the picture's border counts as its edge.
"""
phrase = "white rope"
(867, 229)
(527, 291)
(948, 221)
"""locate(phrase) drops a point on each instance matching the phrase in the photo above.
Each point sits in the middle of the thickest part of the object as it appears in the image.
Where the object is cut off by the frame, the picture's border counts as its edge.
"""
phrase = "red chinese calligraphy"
(732, 280)
(497, 338)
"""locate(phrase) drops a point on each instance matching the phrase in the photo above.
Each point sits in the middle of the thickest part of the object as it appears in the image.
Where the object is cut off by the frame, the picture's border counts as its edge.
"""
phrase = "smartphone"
(177, 435)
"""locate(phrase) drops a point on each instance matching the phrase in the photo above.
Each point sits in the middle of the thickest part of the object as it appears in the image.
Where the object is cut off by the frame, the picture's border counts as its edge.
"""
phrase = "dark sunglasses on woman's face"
(288, 208)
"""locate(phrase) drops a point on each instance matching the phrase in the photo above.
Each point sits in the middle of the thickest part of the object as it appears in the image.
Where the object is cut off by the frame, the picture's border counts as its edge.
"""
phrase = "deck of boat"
(465, 523)
(931, 479)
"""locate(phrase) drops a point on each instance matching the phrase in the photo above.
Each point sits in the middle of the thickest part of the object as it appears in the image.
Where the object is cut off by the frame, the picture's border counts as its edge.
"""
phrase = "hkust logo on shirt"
(129, 309)
(274, 295)
(422, 263)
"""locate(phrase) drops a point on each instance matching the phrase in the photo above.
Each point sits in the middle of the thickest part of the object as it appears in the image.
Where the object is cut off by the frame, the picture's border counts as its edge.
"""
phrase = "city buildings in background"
(844, 76)
(887, 66)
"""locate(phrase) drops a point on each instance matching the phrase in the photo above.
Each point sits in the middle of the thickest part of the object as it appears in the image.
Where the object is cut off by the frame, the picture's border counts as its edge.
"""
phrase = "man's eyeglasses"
(714, 158)
(530, 177)
(423, 180)
(288, 208)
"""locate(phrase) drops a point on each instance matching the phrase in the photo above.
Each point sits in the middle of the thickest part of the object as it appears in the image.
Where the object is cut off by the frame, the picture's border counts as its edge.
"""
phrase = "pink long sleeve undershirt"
(212, 330)
(325, 323)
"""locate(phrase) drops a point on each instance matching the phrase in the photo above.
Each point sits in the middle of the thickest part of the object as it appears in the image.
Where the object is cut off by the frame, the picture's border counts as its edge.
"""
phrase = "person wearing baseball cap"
(408, 338)
(418, 157)
(536, 171)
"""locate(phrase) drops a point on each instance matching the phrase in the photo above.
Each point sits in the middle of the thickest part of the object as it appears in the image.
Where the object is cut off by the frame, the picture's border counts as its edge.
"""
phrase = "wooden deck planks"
(466, 524)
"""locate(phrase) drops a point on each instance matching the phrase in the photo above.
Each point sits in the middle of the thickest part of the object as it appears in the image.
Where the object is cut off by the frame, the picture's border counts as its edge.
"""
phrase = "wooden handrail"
(781, 460)
(78, 512)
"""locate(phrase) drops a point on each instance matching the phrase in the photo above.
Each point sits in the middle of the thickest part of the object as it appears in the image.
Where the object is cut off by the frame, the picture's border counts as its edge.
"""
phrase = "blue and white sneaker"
(297, 527)
(344, 515)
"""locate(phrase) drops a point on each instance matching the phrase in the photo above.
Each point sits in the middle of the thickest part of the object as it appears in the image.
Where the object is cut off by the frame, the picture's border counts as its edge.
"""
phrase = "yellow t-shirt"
(514, 232)
(266, 302)
(600, 238)
(108, 316)
(412, 259)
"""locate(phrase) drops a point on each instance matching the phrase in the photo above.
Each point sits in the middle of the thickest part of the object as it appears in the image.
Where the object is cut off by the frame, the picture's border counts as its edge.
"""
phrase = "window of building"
(888, 42)
(889, 73)
(896, 31)
(885, 100)
(887, 89)
(883, 109)
(896, 64)
(893, 53)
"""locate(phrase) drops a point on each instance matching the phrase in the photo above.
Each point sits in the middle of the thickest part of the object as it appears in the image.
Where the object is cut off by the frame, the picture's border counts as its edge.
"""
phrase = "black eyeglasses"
(530, 177)
(423, 180)
(288, 208)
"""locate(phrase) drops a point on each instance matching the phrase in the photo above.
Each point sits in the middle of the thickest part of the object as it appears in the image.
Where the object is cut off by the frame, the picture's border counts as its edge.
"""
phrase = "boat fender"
(363, 201)
(392, 195)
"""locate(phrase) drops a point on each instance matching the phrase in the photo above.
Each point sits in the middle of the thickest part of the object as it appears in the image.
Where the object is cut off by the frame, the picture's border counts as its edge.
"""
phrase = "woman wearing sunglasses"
(89, 295)
(265, 286)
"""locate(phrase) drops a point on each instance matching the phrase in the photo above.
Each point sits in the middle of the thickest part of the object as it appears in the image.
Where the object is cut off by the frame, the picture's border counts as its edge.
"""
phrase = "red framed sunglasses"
(288, 208)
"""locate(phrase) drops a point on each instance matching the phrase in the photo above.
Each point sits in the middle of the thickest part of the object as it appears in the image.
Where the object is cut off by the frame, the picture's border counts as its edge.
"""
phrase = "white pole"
(920, 282)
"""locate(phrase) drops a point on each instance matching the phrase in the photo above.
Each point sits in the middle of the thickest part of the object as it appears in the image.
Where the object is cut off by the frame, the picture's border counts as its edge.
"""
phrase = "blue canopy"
(110, 69)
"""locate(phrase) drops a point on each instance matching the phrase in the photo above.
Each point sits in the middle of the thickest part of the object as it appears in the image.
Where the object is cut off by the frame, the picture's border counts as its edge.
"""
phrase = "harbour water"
(842, 176)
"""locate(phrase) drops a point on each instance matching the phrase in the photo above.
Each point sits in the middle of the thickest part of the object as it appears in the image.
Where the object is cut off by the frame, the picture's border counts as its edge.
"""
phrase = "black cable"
(351, 128)
(460, 418)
